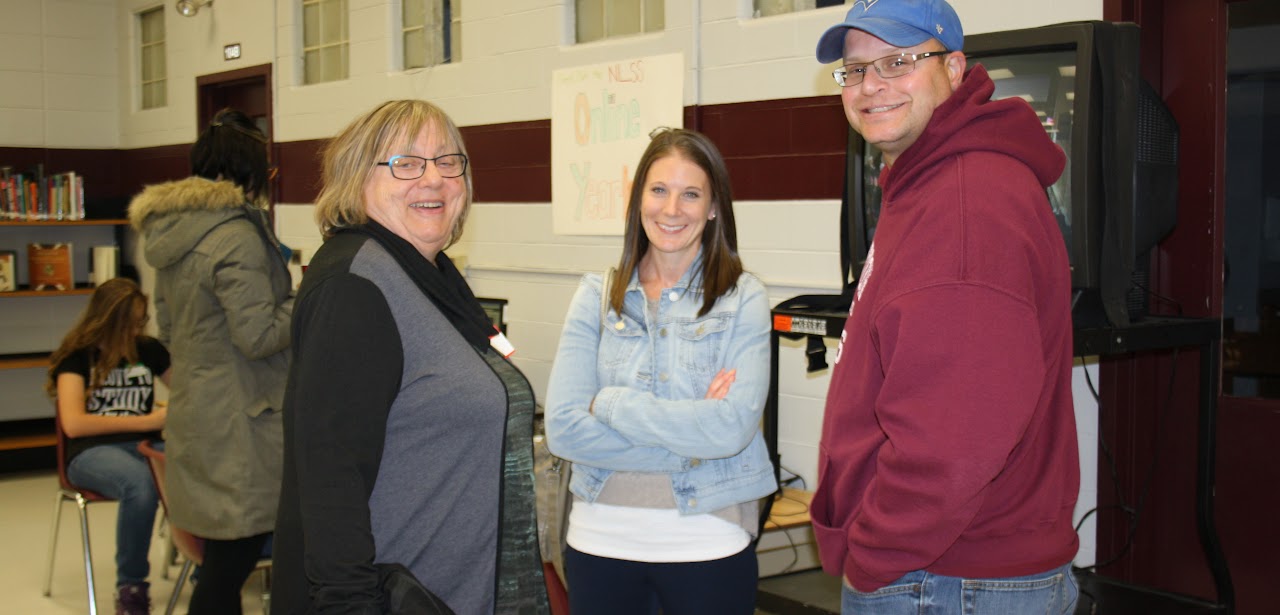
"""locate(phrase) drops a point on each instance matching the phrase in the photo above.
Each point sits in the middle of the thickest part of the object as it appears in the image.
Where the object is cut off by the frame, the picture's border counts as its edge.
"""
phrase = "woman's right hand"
(719, 386)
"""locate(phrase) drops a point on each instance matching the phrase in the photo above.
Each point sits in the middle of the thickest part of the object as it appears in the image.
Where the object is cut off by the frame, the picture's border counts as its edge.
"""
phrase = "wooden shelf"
(80, 289)
(24, 441)
(106, 222)
(27, 434)
(24, 360)
(790, 509)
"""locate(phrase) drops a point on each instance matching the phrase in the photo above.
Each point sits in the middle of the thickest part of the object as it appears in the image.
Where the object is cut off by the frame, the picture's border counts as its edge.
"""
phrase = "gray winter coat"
(223, 308)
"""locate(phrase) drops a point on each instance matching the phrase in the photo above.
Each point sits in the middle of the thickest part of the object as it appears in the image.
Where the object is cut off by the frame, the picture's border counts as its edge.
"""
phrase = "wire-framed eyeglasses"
(888, 67)
(412, 167)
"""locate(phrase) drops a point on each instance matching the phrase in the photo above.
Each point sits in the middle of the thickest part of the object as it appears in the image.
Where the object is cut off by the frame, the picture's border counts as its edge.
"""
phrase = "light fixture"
(188, 8)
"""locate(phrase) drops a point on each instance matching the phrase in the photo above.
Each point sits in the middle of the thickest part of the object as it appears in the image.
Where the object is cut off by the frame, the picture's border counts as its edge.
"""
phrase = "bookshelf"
(34, 322)
(110, 222)
(24, 360)
(26, 292)
(28, 435)
(15, 235)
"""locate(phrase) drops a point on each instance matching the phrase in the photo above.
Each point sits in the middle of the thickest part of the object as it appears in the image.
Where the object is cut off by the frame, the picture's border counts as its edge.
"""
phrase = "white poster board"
(601, 117)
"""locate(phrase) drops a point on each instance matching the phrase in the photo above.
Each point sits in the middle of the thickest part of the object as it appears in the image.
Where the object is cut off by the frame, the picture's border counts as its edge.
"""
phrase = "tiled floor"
(26, 514)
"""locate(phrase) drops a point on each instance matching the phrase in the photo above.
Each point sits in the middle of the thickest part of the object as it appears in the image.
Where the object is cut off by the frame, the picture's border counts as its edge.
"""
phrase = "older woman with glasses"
(408, 433)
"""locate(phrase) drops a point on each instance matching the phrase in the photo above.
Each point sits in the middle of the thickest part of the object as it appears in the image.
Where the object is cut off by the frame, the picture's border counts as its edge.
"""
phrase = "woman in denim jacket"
(656, 396)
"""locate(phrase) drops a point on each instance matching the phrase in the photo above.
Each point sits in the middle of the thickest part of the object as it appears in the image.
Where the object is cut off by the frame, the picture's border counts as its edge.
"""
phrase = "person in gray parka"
(223, 308)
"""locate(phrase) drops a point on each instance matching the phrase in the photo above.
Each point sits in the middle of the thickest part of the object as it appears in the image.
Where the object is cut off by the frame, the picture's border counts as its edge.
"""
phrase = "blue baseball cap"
(901, 23)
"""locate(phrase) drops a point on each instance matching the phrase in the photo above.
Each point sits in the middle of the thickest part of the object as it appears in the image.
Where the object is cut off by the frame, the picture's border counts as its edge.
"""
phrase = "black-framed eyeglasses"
(412, 167)
(888, 67)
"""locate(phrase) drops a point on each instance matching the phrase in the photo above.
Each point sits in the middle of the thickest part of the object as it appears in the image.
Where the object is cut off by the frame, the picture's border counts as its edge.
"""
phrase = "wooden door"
(247, 90)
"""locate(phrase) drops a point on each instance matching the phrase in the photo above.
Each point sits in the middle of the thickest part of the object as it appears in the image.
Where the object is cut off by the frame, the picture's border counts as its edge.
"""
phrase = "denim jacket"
(648, 384)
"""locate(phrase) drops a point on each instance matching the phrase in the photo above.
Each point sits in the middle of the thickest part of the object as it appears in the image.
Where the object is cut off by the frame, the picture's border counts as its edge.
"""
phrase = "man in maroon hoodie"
(948, 466)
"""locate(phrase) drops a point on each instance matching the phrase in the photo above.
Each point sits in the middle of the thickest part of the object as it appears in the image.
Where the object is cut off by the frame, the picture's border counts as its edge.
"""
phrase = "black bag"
(403, 594)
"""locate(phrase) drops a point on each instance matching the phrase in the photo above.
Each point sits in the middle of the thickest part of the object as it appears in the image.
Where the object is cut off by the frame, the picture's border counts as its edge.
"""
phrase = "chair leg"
(170, 552)
(53, 541)
(168, 559)
(177, 586)
(266, 590)
(83, 504)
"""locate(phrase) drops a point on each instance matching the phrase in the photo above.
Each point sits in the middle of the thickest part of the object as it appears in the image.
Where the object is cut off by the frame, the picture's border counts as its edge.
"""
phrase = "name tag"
(500, 343)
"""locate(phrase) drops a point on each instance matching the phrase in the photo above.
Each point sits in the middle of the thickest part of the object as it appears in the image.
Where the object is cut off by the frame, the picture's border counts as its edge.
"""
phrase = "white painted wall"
(510, 48)
(193, 47)
(58, 77)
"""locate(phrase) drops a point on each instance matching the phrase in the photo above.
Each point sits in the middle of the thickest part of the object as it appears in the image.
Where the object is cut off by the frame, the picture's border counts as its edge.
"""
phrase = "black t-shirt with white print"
(129, 390)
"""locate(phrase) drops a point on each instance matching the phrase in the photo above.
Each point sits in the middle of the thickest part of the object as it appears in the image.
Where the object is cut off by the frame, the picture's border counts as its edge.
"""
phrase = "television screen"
(1047, 82)
(1117, 196)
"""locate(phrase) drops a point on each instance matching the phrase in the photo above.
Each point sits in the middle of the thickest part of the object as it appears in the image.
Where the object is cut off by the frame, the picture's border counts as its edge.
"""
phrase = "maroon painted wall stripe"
(777, 149)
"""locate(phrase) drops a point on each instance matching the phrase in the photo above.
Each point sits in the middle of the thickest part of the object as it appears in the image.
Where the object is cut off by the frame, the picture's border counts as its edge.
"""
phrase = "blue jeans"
(922, 593)
(119, 471)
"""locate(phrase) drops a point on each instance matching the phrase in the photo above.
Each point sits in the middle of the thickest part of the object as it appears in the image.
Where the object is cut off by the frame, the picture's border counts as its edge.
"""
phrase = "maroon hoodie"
(949, 440)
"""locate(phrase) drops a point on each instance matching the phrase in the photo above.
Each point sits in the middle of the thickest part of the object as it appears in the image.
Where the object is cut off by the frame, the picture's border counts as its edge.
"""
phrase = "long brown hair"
(108, 328)
(721, 265)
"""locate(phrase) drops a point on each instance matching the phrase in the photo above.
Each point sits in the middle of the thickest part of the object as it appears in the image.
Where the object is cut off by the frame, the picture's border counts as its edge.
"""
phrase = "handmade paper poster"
(601, 117)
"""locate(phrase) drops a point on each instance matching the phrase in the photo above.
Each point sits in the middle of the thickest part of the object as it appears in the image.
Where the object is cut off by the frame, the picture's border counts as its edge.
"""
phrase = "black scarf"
(442, 283)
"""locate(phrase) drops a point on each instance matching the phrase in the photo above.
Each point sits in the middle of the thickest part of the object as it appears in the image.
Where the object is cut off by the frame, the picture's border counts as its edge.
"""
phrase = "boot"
(133, 599)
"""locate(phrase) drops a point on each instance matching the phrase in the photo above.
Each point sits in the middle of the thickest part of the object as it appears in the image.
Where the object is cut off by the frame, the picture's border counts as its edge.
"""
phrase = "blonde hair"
(108, 326)
(351, 158)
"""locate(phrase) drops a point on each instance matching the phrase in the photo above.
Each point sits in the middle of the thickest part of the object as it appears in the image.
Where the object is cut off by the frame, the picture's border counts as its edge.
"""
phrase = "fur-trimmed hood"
(174, 216)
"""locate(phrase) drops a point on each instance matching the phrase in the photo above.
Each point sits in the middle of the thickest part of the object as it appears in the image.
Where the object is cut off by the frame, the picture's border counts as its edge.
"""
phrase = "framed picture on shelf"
(8, 271)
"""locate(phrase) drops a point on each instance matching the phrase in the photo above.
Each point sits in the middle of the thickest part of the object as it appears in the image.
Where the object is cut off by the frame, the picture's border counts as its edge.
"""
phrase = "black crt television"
(1117, 197)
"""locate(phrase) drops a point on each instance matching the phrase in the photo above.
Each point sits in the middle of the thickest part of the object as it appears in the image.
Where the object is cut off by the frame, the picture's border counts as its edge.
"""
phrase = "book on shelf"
(104, 264)
(8, 271)
(6, 193)
(50, 266)
(36, 196)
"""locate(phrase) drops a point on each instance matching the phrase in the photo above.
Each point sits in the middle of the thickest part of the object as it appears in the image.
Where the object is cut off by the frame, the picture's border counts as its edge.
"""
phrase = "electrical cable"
(1176, 304)
(804, 509)
(1135, 512)
(787, 482)
(1111, 467)
(795, 549)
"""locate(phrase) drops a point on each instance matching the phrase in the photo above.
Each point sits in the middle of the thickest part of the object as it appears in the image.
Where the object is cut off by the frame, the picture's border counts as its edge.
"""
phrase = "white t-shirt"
(657, 535)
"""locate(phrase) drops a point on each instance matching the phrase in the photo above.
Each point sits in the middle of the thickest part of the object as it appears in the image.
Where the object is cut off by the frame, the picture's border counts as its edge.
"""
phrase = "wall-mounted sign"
(231, 52)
